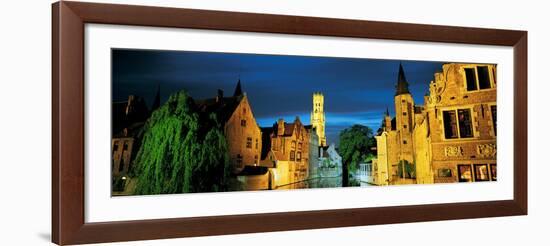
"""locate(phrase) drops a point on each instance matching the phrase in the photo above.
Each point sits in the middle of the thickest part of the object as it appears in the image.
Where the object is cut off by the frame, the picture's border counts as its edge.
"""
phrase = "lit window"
(299, 156)
(249, 142)
(292, 155)
(243, 122)
(457, 124)
(481, 172)
(464, 173)
(444, 173)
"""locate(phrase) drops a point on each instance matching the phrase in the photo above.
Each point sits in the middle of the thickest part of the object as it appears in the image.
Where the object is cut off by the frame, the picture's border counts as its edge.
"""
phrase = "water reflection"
(321, 182)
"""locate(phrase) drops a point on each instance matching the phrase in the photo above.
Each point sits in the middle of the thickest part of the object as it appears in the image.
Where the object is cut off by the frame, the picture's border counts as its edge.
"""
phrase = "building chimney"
(219, 97)
(280, 127)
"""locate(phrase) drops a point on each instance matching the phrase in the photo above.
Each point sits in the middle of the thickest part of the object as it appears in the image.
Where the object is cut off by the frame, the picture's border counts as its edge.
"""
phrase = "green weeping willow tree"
(182, 151)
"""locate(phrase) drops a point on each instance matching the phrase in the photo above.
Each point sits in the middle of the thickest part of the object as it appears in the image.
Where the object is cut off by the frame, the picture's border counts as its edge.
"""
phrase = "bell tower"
(318, 118)
(404, 114)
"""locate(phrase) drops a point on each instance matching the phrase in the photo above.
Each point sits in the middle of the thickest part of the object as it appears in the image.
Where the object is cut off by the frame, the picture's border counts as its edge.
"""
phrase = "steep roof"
(126, 113)
(238, 89)
(289, 128)
(222, 107)
(402, 84)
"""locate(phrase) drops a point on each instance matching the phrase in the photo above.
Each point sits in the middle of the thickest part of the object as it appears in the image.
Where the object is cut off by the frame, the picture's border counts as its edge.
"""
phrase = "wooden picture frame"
(68, 223)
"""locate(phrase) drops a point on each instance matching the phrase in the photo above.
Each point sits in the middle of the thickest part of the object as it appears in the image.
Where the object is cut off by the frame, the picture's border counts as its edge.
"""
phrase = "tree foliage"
(181, 151)
(355, 145)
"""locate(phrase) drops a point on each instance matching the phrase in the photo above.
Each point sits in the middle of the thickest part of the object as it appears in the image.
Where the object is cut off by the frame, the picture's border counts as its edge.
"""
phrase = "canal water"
(321, 182)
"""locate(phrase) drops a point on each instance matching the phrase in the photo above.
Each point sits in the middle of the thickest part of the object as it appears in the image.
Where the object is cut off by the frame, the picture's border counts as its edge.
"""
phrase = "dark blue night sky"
(357, 91)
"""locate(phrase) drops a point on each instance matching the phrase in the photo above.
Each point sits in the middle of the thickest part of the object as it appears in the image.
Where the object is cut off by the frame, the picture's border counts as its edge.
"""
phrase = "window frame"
(455, 109)
(459, 174)
(475, 172)
(440, 171)
(491, 71)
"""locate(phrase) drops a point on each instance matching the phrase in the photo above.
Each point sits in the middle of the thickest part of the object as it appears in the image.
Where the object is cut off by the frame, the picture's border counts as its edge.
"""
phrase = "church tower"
(318, 118)
(404, 116)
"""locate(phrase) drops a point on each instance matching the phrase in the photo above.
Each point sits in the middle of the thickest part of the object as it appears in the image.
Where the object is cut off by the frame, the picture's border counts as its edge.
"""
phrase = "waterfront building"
(451, 138)
(128, 118)
(243, 135)
(314, 152)
(286, 152)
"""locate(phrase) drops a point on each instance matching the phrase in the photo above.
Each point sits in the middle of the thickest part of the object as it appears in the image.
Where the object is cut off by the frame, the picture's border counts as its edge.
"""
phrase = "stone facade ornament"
(434, 97)
(437, 87)
(453, 151)
(487, 150)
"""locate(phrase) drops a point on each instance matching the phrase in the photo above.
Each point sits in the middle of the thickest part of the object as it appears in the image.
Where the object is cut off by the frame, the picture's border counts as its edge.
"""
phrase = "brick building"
(286, 151)
(240, 128)
(451, 138)
(128, 118)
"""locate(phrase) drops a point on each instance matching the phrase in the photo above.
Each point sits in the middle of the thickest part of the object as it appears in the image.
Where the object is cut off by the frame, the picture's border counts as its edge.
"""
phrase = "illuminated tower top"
(318, 117)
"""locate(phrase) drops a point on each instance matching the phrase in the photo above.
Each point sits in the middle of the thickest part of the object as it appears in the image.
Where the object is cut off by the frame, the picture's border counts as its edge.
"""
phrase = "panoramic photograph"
(197, 122)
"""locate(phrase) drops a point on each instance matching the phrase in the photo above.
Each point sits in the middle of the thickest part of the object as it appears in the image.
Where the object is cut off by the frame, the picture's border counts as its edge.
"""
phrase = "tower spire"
(238, 90)
(387, 112)
(402, 84)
